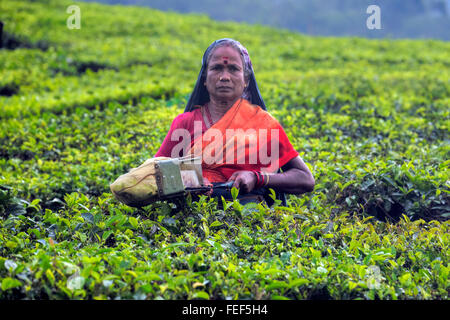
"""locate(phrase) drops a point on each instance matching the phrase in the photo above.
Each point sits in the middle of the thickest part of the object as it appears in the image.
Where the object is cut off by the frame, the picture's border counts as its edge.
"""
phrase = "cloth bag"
(138, 187)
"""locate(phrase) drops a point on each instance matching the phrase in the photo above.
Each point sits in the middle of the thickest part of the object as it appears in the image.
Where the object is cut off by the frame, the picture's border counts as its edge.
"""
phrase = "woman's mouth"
(222, 88)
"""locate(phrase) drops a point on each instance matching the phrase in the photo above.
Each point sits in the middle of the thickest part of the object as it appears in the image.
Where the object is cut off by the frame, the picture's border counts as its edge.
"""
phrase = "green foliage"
(399, 189)
(370, 119)
(100, 249)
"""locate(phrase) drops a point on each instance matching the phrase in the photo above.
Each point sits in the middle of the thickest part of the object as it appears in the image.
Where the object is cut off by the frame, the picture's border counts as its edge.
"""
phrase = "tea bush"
(80, 107)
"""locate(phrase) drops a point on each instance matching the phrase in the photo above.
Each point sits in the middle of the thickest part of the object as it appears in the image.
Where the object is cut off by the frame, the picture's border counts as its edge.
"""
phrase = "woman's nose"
(225, 76)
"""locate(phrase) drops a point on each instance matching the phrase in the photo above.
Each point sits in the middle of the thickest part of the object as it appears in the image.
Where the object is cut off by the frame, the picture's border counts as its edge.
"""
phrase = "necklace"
(208, 114)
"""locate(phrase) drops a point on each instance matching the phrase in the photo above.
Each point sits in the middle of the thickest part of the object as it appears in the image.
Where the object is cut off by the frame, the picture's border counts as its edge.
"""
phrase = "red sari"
(245, 138)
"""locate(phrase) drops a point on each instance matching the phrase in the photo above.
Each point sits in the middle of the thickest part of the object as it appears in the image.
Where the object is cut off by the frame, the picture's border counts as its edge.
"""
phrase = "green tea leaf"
(201, 295)
(216, 224)
(134, 222)
(10, 283)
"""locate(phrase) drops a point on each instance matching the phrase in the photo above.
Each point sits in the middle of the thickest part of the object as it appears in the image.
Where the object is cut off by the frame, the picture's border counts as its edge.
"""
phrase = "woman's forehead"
(226, 53)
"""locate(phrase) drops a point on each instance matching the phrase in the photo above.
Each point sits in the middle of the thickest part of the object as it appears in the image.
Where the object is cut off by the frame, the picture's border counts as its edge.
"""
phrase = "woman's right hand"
(245, 180)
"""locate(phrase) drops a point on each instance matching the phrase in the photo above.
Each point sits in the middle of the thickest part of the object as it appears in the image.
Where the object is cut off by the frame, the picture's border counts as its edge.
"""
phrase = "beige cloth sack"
(139, 186)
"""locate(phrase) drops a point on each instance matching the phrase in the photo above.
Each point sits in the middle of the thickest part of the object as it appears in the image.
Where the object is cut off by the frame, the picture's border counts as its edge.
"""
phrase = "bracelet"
(266, 182)
(259, 179)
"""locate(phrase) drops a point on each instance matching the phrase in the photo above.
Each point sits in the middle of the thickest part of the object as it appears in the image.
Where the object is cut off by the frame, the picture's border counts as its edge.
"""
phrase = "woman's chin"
(226, 95)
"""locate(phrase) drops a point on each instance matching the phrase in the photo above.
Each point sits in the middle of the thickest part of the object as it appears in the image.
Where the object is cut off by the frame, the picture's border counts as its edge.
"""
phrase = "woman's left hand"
(245, 180)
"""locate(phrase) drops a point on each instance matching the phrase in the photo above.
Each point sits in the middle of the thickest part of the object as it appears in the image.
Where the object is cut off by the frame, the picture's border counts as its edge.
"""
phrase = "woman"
(226, 123)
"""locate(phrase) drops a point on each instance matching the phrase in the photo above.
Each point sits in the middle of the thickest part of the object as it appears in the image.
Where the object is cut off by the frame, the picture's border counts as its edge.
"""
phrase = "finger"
(233, 176)
(237, 182)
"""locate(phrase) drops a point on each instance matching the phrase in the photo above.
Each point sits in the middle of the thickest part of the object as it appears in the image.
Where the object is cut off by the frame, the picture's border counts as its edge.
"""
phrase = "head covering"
(200, 94)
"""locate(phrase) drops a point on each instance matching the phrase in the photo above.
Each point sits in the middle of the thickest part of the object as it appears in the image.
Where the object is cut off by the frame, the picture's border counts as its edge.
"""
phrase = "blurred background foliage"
(400, 18)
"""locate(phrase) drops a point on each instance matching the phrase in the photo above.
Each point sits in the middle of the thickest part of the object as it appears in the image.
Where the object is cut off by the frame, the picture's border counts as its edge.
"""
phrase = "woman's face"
(225, 74)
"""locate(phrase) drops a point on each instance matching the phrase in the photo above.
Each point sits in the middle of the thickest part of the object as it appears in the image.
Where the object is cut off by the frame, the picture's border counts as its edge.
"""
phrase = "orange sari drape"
(245, 138)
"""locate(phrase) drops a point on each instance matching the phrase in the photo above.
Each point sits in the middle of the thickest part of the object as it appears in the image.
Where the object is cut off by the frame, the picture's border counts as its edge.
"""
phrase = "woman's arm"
(296, 179)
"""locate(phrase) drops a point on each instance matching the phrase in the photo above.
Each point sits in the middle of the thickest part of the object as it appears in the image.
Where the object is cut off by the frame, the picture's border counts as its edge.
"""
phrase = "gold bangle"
(267, 181)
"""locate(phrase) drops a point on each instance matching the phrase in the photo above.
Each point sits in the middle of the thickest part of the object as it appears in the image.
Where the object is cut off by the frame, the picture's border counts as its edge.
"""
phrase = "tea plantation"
(79, 107)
